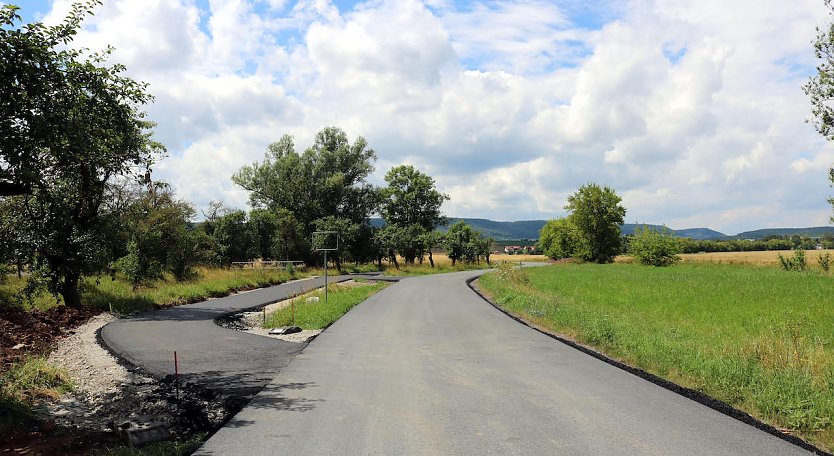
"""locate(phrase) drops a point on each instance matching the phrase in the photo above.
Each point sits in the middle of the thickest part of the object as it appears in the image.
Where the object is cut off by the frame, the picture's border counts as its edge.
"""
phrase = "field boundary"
(697, 396)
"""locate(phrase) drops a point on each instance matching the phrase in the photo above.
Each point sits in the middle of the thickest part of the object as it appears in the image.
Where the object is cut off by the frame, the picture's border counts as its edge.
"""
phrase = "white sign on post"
(325, 241)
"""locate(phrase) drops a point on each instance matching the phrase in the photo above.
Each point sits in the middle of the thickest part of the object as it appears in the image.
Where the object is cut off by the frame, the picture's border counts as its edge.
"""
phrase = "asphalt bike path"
(428, 367)
(226, 361)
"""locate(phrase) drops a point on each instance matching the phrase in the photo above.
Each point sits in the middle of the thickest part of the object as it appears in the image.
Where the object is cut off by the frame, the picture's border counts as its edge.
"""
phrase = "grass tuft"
(24, 384)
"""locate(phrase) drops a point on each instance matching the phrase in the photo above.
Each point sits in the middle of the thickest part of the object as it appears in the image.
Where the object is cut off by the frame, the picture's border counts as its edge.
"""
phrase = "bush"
(797, 263)
(654, 248)
(825, 261)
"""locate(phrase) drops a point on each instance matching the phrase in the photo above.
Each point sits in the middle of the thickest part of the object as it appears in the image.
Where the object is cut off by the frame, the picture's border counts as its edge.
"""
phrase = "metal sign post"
(328, 241)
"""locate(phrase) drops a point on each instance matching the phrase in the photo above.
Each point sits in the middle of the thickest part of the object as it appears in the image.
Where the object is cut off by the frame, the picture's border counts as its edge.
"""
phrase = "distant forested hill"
(529, 229)
(525, 229)
(816, 231)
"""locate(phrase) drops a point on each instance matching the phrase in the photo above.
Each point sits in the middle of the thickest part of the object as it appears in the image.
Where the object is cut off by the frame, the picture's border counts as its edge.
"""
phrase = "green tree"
(70, 126)
(654, 248)
(463, 243)
(597, 214)
(159, 239)
(560, 238)
(234, 238)
(820, 87)
(327, 180)
(411, 202)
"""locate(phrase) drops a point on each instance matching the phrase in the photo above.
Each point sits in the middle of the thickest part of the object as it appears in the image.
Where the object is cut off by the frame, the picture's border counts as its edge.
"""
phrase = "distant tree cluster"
(773, 242)
(592, 230)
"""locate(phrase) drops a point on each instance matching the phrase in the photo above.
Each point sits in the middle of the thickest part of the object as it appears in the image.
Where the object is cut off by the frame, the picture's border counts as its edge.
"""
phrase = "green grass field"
(319, 315)
(760, 339)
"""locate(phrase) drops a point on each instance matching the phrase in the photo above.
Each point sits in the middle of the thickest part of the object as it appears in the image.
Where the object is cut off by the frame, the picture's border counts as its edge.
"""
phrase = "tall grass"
(117, 294)
(24, 384)
(321, 314)
(760, 339)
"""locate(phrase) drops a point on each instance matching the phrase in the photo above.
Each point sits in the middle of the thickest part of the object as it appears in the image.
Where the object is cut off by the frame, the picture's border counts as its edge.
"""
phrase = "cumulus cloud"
(694, 114)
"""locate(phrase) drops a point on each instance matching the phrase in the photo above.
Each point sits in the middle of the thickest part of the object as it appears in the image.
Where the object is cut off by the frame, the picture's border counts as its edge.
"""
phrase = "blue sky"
(692, 111)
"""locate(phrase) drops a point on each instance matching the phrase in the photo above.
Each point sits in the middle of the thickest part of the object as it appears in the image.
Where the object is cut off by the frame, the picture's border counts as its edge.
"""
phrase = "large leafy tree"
(325, 182)
(411, 204)
(820, 88)
(597, 214)
(69, 124)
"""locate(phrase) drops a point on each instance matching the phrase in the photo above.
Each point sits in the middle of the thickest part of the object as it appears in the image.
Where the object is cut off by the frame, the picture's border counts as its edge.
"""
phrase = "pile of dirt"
(34, 332)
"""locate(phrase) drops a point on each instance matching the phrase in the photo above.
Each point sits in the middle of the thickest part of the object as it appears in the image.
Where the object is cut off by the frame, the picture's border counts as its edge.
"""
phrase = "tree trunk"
(431, 260)
(69, 290)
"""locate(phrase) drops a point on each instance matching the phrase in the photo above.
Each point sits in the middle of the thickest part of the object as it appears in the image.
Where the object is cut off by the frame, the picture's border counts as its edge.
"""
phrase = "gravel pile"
(105, 391)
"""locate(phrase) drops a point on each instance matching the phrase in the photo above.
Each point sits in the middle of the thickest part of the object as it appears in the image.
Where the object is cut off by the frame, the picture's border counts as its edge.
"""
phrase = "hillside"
(816, 231)
(529, 229)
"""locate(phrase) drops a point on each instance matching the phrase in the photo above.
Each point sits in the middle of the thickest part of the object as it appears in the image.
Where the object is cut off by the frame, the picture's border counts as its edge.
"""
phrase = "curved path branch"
(230, 362)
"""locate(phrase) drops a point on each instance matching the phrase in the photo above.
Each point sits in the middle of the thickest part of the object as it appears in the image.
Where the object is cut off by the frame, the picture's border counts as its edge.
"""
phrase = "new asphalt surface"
(233, 363)
(428, 367)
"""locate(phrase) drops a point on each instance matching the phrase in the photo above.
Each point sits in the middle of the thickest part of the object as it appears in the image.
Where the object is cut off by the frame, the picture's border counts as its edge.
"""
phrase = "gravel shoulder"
(106, 391)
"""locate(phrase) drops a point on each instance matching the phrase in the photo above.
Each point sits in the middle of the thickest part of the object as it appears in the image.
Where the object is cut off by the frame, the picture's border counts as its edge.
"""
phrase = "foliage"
(825, 261)
(70, 124)
(820, 87)
(234, 238)
(653, 248)
(797, 263)
(756, 338)
(327, 180)
(597, 214)
(158, 237)
(411, 204)
(465, 244)
(347, 233)
(320, 315)
(560, 238)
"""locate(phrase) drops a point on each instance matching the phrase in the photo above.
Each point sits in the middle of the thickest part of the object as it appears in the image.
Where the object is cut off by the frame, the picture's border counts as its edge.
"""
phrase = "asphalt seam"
(694, 395)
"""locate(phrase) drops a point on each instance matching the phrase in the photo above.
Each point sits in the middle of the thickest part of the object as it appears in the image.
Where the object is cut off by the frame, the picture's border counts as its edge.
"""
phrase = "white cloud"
(695, 115)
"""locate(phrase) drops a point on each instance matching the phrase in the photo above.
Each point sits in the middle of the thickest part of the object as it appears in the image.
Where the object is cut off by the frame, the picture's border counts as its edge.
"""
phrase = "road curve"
(231, 362)
(427, 367)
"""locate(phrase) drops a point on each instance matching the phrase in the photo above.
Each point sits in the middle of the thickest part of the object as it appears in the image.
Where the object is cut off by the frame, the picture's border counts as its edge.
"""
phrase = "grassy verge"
(319, 315)
(25, 383)
(118, 295)
(757, 338)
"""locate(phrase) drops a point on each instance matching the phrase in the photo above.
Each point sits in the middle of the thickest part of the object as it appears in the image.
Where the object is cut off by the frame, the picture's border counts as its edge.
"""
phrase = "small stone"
(18, 346)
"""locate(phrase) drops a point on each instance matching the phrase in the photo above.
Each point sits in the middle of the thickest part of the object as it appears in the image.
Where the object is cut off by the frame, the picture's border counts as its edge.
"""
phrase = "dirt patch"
(34, 332)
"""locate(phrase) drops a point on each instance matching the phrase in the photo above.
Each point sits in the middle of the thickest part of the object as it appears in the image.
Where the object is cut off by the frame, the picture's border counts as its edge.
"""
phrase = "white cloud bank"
(692, 111)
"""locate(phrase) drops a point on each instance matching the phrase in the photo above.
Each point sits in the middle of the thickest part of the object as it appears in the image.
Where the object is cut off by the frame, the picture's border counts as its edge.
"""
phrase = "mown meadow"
(758, 338)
